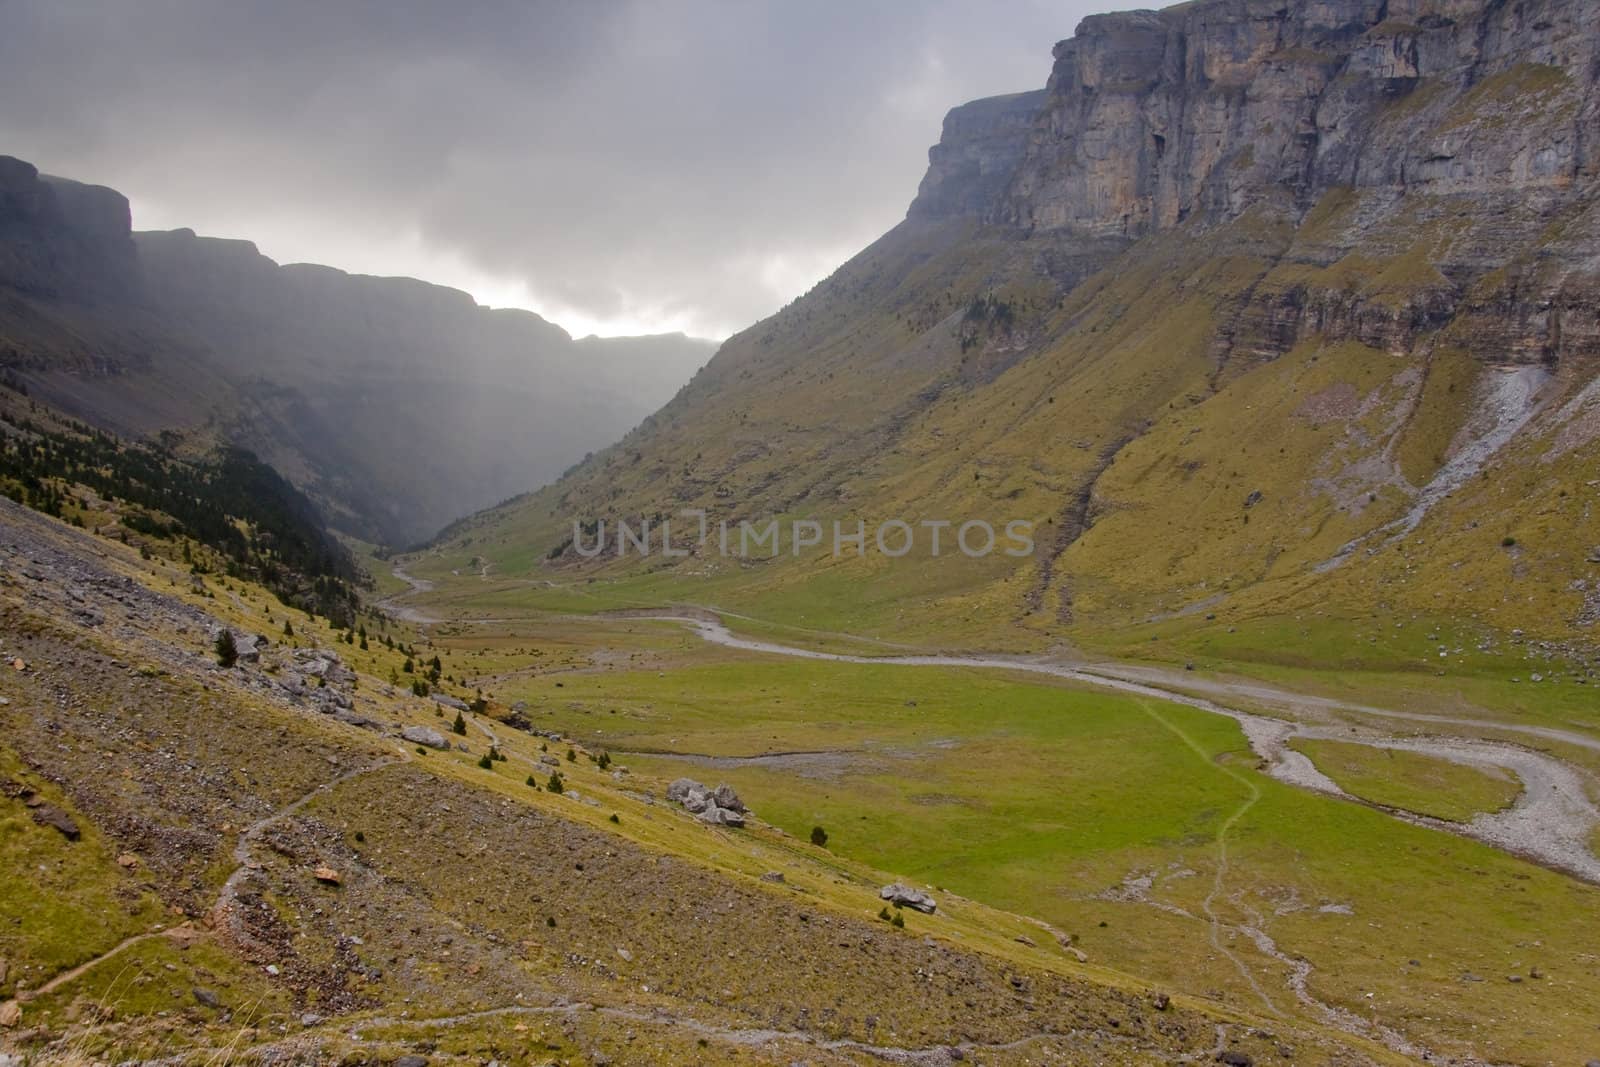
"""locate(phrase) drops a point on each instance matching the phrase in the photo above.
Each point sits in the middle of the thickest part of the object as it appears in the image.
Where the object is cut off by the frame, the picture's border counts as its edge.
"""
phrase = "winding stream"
(1549, 823)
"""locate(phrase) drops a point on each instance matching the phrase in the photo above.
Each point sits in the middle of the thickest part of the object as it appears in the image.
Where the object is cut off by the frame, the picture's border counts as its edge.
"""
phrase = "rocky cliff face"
(61, 238)
(1422, 111)
(397, 404)
(1251, 293)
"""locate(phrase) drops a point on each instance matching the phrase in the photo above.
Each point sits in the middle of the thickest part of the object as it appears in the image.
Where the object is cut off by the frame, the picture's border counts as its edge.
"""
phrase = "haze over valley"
(1126, 597)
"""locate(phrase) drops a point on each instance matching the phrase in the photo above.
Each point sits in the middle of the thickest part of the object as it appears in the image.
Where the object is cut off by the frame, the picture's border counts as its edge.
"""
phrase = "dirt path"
(222, 910)
(753, 1037)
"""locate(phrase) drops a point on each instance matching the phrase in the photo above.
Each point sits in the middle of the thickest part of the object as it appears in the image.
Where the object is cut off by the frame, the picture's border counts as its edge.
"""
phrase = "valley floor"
(252, 864)
(1420, 873)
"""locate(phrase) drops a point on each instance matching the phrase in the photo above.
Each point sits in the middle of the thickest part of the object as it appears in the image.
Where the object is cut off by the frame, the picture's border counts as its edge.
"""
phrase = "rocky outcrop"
(904, 896)
(1212, 108)
(719, 807)
(63, 240)
(1432, 146)
(977, 155)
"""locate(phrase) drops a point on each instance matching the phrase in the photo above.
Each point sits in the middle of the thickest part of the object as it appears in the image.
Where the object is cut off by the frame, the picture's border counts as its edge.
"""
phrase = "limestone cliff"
(1252, 294)
(1435, 110)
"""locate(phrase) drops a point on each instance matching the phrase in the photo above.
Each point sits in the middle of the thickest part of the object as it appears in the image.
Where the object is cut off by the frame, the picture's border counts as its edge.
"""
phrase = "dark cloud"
(614, 165)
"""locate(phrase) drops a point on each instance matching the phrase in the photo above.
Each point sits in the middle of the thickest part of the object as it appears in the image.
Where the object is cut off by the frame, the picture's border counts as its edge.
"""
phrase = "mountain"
(397, 405)
(1255, 309)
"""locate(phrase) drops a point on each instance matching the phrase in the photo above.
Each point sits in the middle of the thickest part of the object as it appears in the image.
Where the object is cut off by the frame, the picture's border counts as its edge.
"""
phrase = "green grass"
(61, 902)
(1411, 782)
(1045, 799)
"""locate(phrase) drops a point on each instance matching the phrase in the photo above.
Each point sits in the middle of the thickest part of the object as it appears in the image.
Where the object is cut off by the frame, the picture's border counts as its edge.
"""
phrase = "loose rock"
(904, 896)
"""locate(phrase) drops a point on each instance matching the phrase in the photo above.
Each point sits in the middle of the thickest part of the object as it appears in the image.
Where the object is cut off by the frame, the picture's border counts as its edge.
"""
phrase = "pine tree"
(460, 725)
(288, 628)
(227, 649)
(555, 784)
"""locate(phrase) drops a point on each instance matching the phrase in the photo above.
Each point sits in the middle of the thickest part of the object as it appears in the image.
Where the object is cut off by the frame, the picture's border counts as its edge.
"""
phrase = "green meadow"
(1140, 829)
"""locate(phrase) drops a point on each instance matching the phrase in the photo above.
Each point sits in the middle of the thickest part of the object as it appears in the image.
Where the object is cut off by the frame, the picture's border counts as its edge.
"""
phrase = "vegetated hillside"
(1252, 310)
(396, 404)
(218, 510)
(289, 857)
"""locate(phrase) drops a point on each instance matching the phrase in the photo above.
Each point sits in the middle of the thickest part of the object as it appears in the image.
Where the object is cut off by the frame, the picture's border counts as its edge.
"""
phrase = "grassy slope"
(1049, 800)
(1406, 780)
(438, 849)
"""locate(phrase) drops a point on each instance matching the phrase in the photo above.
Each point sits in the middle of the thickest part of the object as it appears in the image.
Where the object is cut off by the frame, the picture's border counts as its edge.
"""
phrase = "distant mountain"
(397, 405)
(1254, 309)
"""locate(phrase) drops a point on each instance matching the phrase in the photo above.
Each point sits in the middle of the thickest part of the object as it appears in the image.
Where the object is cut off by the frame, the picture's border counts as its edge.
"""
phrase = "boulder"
(680, 788)
(421, 735)
(904, 896)
(716, 816)
(450, 702)
(725, 797)
(52, 816)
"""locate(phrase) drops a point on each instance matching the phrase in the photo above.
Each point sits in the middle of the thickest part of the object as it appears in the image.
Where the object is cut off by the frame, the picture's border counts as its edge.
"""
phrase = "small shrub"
(486, 763)
(555, 784)
(532, 782)
(819, 837)
(1509, 542)
(604, 761)
(898, 921)
(227, 649)
(614, 818)
(572, 756)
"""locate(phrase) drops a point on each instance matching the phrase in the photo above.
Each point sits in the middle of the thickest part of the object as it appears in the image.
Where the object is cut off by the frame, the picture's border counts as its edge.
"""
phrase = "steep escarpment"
(397, 404)
(1253, 301)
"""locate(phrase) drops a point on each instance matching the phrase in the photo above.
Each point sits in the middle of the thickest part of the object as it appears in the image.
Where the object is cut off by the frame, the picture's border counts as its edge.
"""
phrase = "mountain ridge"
(1255, 289)
(397, 404)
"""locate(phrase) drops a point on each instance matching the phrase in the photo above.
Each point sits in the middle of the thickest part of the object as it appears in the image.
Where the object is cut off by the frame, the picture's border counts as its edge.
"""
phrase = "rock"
(327, 876)
(1234, 1058)
(1162, 1002)
(904, 896)
(725, 797)
(421, 735)
(10, 1014)
(128, 861)
(19, 665)
(52, 816)
(715, 816)
(310, 1019)
(680, 788)
(776, 877)
(207, 998)
(1024, 939)
(450, 702)
(411, 1061)
(624, 955)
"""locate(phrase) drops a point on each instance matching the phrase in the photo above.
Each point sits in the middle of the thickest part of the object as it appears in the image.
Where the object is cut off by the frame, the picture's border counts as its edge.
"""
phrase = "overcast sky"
(619, 167)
